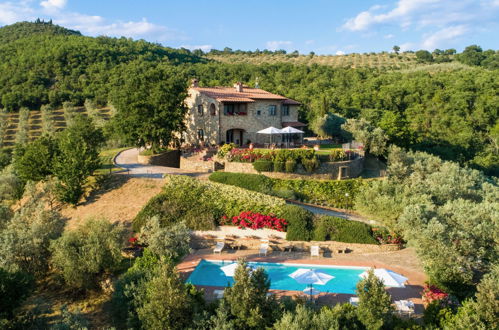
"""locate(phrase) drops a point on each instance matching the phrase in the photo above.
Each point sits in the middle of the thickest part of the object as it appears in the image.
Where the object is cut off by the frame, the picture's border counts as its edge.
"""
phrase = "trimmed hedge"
(324, 192)
(263, 165)
(300, 223)
(329, 228)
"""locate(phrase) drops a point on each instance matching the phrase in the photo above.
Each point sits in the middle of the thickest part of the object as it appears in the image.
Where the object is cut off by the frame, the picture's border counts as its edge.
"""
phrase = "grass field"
(107, 157)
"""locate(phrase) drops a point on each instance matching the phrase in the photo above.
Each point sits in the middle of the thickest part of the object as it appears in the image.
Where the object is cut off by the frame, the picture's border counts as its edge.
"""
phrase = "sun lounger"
(354, 301)
(219, 294)
(264, 248)
(219, 247)
(314, 251)
(404, 306)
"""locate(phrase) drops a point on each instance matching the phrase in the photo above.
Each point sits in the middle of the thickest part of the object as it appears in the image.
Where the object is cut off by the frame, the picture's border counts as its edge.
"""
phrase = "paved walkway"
(127, 159)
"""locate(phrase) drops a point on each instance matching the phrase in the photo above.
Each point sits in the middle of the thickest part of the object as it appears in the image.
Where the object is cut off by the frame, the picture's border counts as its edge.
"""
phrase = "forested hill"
(41, 63)
(449, 109)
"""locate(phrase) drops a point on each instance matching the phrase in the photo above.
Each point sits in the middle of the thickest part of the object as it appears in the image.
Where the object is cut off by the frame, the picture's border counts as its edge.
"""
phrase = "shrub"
(284, 193)
(310, 165)
(290, 166)
(300, 223)
(225, 149)
(337, 155)
(279, 166)
(14, 288)
(254, 220)
(256, 182)
(341, 230)
(263, 165)
(84, 254)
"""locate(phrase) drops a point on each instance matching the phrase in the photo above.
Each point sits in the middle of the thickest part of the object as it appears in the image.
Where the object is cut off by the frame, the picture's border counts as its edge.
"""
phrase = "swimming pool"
(208, 273)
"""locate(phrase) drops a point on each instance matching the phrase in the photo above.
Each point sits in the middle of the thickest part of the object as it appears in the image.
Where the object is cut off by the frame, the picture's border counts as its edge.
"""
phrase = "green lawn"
(107, 157)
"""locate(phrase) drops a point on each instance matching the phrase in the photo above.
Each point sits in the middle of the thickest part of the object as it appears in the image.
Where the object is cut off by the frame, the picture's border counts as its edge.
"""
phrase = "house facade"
(234, 114)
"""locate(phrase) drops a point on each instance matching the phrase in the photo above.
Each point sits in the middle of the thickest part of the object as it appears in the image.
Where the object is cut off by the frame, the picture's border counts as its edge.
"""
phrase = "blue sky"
(325, 27)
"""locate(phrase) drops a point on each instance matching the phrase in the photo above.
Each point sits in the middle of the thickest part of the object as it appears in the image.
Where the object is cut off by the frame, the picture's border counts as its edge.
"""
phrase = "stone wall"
(170, 158)
(327, 170)
(251, 239)
(193, 165)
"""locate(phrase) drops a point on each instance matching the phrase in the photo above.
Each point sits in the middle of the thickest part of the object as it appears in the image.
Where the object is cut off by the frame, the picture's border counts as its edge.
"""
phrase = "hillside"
(368, 60)
(53, 64)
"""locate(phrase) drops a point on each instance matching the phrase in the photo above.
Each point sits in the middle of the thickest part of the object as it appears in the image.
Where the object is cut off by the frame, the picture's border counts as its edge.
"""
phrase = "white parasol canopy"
(310, 276)
(311, 291)
(291, 130)
(388, 277)
(230, 269)
(270, 131)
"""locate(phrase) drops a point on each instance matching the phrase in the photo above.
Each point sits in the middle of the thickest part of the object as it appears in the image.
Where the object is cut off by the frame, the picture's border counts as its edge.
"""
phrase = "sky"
(321, 26)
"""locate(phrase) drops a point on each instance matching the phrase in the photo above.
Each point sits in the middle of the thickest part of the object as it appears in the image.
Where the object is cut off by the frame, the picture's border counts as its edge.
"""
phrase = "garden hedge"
(300, 223)
(332, 193)
(328, 228)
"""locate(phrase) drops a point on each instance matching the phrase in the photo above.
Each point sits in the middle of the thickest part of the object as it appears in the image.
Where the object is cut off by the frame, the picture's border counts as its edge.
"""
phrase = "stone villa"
(234, 114)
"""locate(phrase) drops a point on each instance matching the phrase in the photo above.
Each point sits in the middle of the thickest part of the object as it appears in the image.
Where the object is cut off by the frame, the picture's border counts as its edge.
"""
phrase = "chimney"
(194, 83)
(239, 86)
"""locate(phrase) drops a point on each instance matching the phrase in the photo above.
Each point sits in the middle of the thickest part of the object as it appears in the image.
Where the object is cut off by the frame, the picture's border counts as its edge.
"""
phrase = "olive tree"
(84, 255)
(170, 242)
(373, 138)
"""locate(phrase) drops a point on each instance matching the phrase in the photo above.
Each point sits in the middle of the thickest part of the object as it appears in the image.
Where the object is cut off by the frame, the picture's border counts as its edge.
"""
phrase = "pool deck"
(399, 261)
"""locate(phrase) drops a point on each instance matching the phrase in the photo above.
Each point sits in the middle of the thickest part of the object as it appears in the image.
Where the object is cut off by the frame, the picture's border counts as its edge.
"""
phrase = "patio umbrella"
(310, 276)
(230, 269)
(291, 130)
(388, 277)
(270, 131)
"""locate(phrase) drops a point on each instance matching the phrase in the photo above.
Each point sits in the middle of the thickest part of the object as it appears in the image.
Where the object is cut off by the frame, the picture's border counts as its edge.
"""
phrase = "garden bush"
(310, 165)
(279, 166)
(328, 228)
(290, 166)
(300, 223)
(256, 182)
(326, 192)
(202, 204)
(263, 165)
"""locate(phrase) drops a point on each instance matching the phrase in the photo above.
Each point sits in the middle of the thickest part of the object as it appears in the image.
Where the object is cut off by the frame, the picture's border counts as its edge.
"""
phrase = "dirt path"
(127, 159)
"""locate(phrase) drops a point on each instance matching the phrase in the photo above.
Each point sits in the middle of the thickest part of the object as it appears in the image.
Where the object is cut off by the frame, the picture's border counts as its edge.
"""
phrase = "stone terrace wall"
(170, 158)
(250, 238)
(327, 170)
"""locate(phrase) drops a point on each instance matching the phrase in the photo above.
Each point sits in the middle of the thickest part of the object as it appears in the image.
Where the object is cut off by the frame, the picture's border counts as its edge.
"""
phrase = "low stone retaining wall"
(327, 170)
(192, 165)
(251, 239)
(169, 158)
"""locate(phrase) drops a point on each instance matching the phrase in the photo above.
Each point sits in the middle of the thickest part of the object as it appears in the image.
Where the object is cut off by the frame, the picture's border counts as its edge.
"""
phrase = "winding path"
(127, 159)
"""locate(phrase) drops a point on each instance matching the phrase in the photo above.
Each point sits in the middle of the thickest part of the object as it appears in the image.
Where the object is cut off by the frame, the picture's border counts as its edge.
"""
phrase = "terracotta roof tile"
(293, 124)
(229, 94)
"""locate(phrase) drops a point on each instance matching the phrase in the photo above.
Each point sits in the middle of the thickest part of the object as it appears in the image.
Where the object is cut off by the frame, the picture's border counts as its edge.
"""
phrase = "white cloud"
(443, 36)
(53, 4)
(204, 48)
(14, 12)
(421, 13)
(407, 46)
(88, 24)
(340, 52)
(275, 45)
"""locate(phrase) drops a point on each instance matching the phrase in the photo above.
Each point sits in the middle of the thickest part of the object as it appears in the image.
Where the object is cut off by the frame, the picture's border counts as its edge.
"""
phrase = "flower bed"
(253, 220)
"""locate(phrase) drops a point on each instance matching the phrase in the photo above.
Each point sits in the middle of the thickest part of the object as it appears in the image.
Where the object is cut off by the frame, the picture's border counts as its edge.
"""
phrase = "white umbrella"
(311, 291)
(310, 276)
(230, 269)
(388, 277)
(270, 131)
(291, 130)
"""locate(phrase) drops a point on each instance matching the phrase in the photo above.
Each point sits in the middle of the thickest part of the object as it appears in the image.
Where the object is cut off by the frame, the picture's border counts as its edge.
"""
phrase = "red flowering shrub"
(248, 155)
(431, 293)
(254, 220)
(387, 238)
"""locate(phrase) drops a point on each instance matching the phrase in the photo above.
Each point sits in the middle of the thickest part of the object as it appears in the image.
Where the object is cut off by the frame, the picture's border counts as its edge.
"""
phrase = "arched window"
(200, 134)
(200, 109)
(213, 110)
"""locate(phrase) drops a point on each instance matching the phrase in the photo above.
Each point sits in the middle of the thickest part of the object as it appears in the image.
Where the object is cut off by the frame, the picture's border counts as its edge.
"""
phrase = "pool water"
(345, 278)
